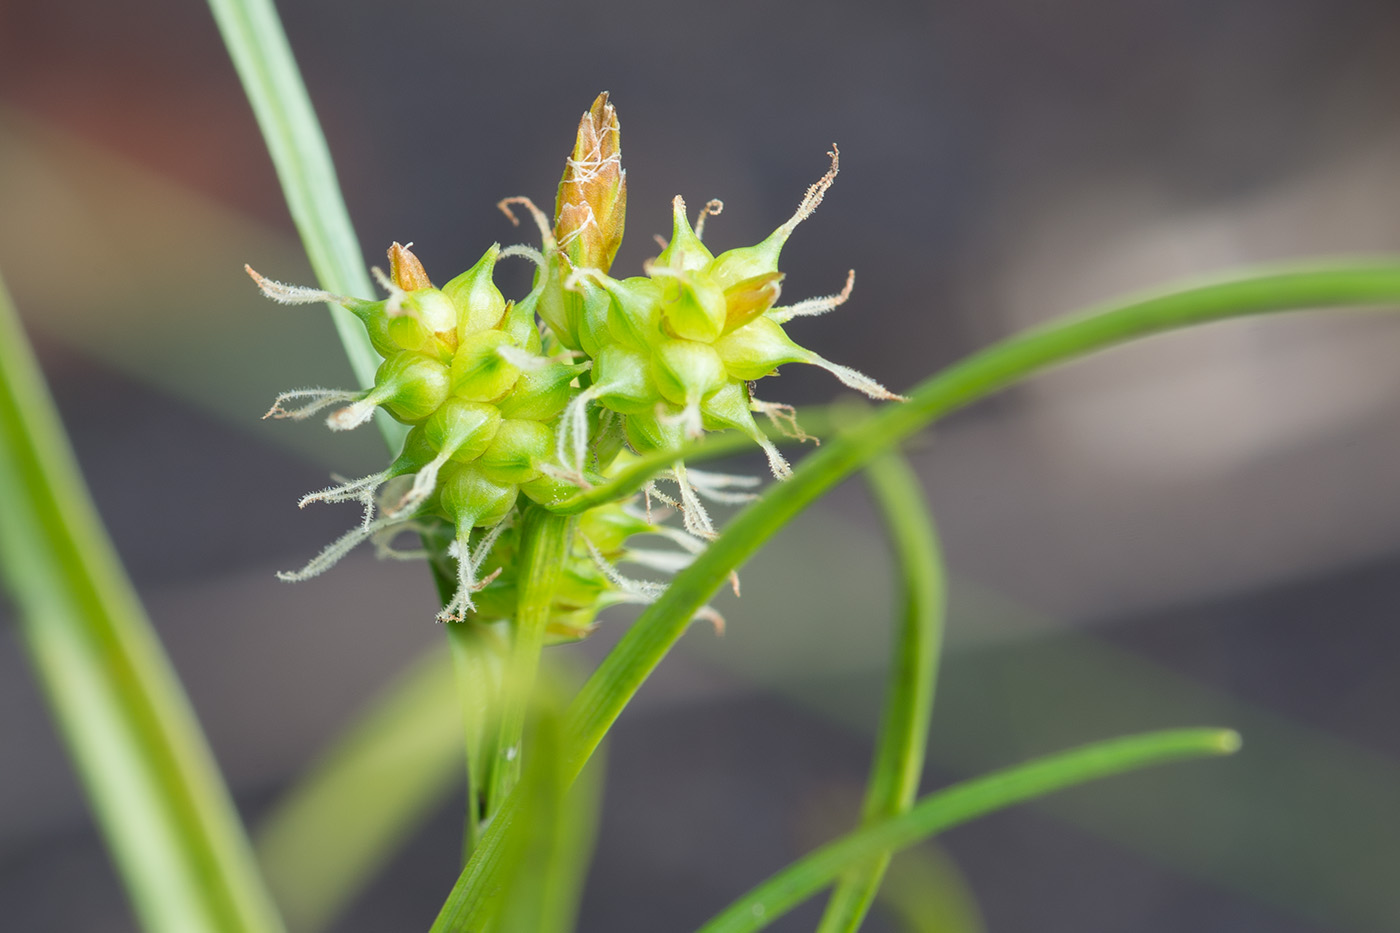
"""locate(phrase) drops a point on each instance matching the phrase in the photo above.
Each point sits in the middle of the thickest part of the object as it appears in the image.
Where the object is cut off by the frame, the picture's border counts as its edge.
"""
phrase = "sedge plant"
(544, 460)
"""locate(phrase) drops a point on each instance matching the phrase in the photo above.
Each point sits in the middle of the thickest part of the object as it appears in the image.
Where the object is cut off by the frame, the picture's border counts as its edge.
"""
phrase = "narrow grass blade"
(385, 773)
(899, 753)
(258, 46)
(150, 777)
(959, 804)
(1338, 283)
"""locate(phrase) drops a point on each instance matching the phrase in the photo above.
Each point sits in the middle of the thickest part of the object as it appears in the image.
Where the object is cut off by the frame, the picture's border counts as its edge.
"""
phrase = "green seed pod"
(516, 451)
(608, 528)
(541, 394)
(478, 303)
(579, 589)
(409, 333)
(687, 371)
(558, 307)
(734, 266)
(756, 349)
(519, 322)
(433, 309)
(650, 431)
(693, 307)
(731, 408)
(592, 320)
(463, 430)
(410, 386)
(469, 499)
(623, 381)
(634, 312)
(548, 490)
(479, 372)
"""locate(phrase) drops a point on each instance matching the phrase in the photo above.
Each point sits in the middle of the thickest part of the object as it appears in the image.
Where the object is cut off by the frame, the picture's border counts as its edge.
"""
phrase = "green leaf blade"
(263, 58)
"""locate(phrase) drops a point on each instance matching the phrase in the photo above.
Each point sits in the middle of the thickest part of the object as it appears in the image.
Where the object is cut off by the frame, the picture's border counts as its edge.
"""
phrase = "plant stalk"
(544, 543)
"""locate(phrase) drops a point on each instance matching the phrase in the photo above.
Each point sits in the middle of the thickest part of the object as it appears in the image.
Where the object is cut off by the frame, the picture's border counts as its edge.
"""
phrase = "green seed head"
(501, 408)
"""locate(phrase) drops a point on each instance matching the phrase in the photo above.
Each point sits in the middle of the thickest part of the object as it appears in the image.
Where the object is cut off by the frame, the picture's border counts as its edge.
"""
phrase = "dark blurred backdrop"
(1202, 529)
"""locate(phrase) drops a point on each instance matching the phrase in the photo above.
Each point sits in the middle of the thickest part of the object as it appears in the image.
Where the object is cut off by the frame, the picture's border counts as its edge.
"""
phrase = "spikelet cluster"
(532, 400)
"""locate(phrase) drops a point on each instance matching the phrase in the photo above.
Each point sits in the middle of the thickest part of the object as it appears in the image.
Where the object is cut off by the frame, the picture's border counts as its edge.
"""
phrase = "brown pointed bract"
(592, 202)
(405, 269)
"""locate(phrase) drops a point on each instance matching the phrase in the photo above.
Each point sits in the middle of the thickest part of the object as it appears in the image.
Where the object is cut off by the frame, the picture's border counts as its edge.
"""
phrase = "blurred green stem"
(544, 544)
(383, 775)
(899, 754)
(258, 46)
(152, 781)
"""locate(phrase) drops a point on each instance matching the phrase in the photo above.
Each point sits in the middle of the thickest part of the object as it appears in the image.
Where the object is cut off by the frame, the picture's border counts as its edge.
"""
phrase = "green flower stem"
(899, 754)
(607, 692)
(544, 544)
(258, 46)
(149, 774)
(959, 804)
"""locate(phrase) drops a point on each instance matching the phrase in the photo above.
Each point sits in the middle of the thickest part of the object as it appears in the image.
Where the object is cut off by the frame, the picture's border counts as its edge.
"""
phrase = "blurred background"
(1199, 529)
